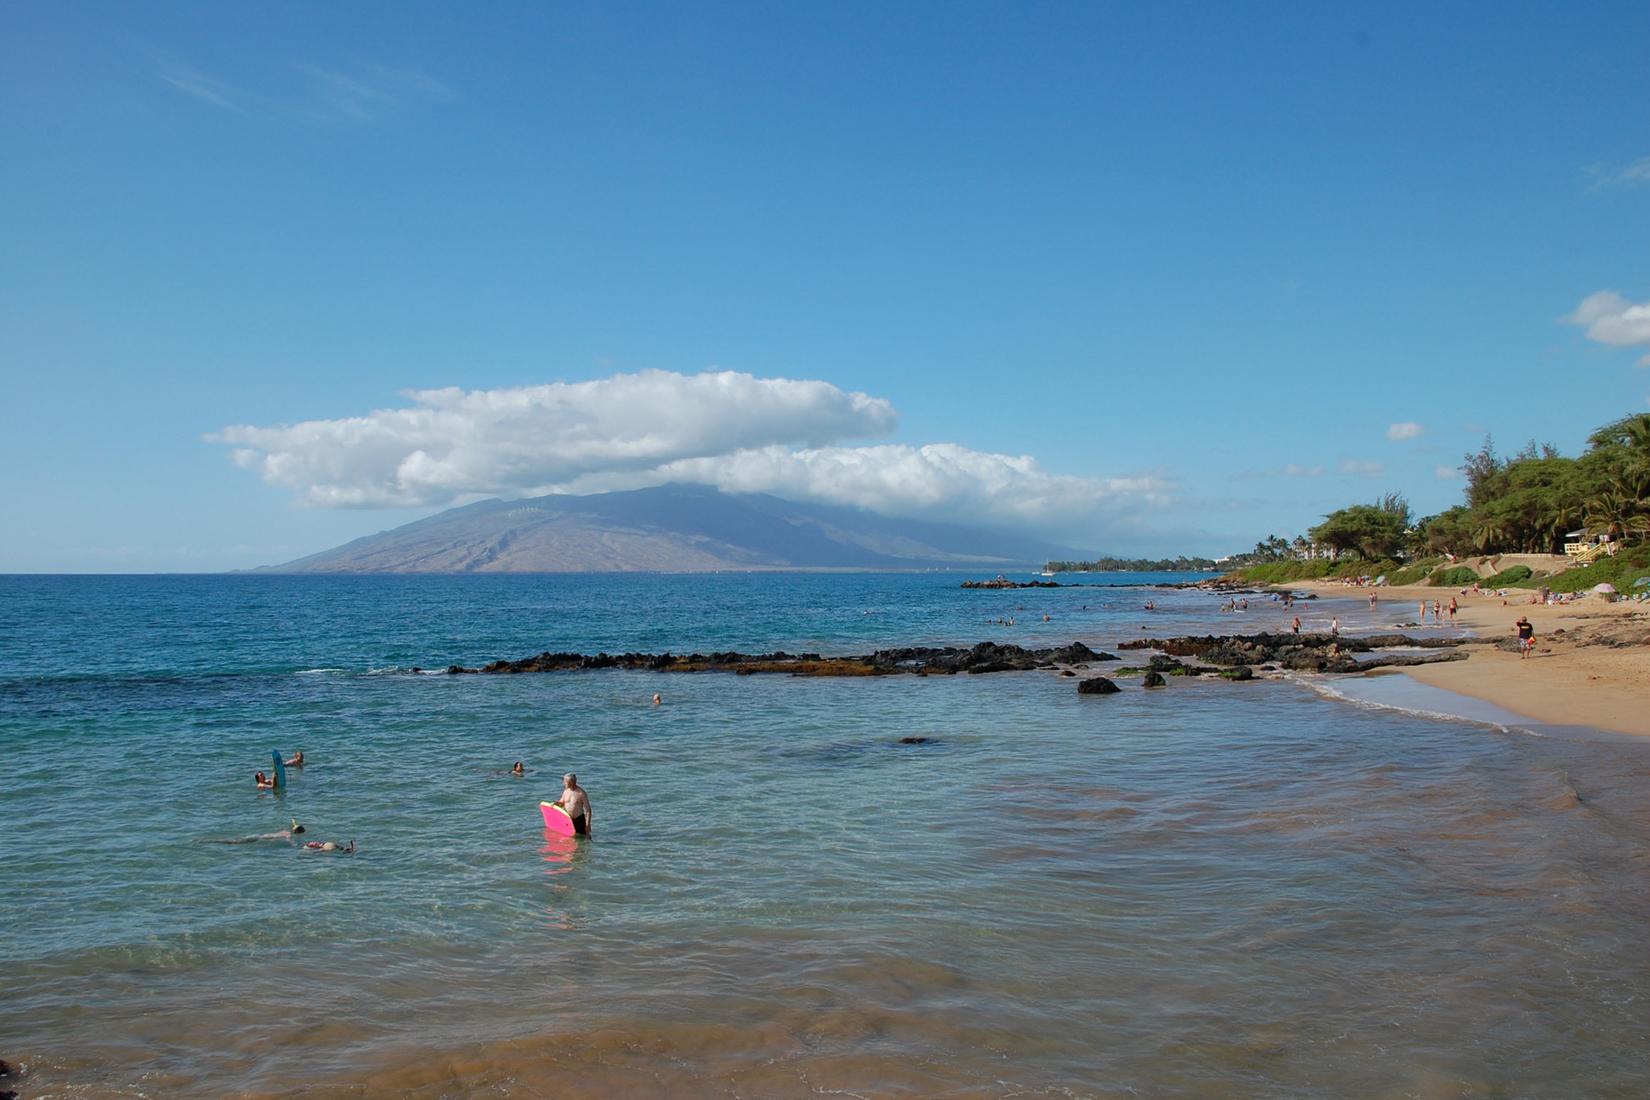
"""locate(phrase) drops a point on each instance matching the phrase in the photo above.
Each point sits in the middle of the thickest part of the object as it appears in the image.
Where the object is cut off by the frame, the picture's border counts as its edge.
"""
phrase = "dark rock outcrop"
(1296, 652)
(1004, 582)
(1153, 680)
(922, 660)
(1097, 685)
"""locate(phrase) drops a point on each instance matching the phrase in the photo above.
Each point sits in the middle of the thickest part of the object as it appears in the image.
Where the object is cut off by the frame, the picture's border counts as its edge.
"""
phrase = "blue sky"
(1144, 278)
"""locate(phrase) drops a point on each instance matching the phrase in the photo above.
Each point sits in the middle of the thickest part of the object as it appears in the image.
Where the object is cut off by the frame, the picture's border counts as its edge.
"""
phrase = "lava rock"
(1097, 685)
(1153, 680)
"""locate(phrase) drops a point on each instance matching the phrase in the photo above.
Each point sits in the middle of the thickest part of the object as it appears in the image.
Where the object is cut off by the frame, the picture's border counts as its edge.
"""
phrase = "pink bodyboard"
(556, 819)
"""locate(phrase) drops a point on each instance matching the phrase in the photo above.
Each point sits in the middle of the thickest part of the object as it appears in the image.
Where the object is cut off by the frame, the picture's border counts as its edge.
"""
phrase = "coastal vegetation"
(1134, 565)
(1531, 502)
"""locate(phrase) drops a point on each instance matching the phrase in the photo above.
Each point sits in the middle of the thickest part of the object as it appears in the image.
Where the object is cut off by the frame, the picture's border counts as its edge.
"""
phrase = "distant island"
(1134, 565)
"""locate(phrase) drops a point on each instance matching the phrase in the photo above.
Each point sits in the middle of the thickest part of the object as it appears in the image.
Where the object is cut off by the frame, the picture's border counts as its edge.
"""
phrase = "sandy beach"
(1591, 665)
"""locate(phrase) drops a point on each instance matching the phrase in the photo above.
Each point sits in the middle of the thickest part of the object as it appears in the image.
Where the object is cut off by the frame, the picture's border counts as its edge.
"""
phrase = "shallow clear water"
(1211, 890)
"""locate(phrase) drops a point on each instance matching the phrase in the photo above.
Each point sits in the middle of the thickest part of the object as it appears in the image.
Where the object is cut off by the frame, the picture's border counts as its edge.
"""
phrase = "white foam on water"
(1409, 696)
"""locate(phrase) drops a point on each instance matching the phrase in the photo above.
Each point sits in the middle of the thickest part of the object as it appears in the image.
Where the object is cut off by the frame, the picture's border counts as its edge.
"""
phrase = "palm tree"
(1613, 512)
(1489, 534)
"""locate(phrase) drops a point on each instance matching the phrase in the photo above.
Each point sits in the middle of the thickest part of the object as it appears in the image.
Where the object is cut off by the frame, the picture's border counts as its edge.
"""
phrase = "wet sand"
(1591, 665)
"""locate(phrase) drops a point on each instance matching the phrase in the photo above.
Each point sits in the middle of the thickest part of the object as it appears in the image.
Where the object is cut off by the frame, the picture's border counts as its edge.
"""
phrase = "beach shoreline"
(1590, 667)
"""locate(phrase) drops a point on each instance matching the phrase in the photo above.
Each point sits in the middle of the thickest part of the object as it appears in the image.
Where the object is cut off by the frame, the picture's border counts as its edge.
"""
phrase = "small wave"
(1330, 691)
(318, 671)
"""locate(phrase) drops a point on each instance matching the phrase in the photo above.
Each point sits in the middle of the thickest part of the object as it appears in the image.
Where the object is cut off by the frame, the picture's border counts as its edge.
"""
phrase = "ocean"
(1264, 889)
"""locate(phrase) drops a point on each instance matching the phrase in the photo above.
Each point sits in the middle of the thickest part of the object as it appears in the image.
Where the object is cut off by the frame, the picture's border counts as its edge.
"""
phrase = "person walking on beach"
(576, 803)
(1526, 637)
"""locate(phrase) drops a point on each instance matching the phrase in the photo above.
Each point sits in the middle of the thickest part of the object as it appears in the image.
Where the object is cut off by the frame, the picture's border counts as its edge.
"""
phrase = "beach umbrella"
(1641, 582)
(1610, 588)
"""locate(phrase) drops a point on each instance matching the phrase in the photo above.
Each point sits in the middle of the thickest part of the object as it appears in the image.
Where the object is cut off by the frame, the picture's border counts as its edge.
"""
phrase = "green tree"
(1372, 531)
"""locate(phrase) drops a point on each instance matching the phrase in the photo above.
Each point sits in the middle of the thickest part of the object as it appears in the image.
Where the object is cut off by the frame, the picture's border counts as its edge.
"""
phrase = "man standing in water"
(576, 803)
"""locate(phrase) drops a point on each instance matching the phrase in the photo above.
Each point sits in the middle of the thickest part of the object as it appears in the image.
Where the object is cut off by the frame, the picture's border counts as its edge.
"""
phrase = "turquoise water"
(1214, 890)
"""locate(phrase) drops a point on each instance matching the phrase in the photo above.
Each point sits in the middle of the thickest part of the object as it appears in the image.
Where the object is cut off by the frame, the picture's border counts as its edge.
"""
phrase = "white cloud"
(366, 91)
(454, 443)
(1403, 430)
(200, 86)
(734, 431)
(1360, 468)
(1445, 473)
(939, 480)
(1635, 174)
(1611, 319)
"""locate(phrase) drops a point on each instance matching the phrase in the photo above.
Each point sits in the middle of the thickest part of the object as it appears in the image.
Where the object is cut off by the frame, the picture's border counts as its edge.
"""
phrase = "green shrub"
(1383, 568)
(1621, 570)
(1508, 576)
(1415, 573)
(1280, 572)
(1454, 577)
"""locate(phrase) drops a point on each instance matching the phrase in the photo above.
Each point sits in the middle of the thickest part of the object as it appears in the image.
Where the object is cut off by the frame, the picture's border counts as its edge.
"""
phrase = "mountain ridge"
(668, 528)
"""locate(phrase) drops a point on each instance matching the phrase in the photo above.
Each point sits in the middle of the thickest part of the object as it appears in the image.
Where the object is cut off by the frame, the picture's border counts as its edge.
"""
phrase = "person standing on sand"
(1297, 626)
(1526, 637)
(576, 803)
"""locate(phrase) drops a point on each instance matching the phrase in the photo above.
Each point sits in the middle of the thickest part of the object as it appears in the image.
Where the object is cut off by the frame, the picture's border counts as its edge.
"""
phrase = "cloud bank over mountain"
(725, 429)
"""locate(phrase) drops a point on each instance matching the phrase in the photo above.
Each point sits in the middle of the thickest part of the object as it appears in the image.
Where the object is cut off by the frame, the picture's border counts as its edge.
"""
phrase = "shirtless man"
(576, 803)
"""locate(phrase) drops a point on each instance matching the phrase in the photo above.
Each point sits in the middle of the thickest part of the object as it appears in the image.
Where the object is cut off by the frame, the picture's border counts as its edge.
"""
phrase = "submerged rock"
(1153, 680)
(1097, 685)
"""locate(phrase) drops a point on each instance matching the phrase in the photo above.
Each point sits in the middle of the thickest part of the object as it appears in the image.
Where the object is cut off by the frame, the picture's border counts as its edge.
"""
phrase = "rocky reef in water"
(1303, 652)
(918, 660)
(1230, 656)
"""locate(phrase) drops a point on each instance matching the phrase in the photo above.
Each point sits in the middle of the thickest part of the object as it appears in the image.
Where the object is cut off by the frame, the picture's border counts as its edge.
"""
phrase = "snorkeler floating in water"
(330, 846)
(284, 834)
